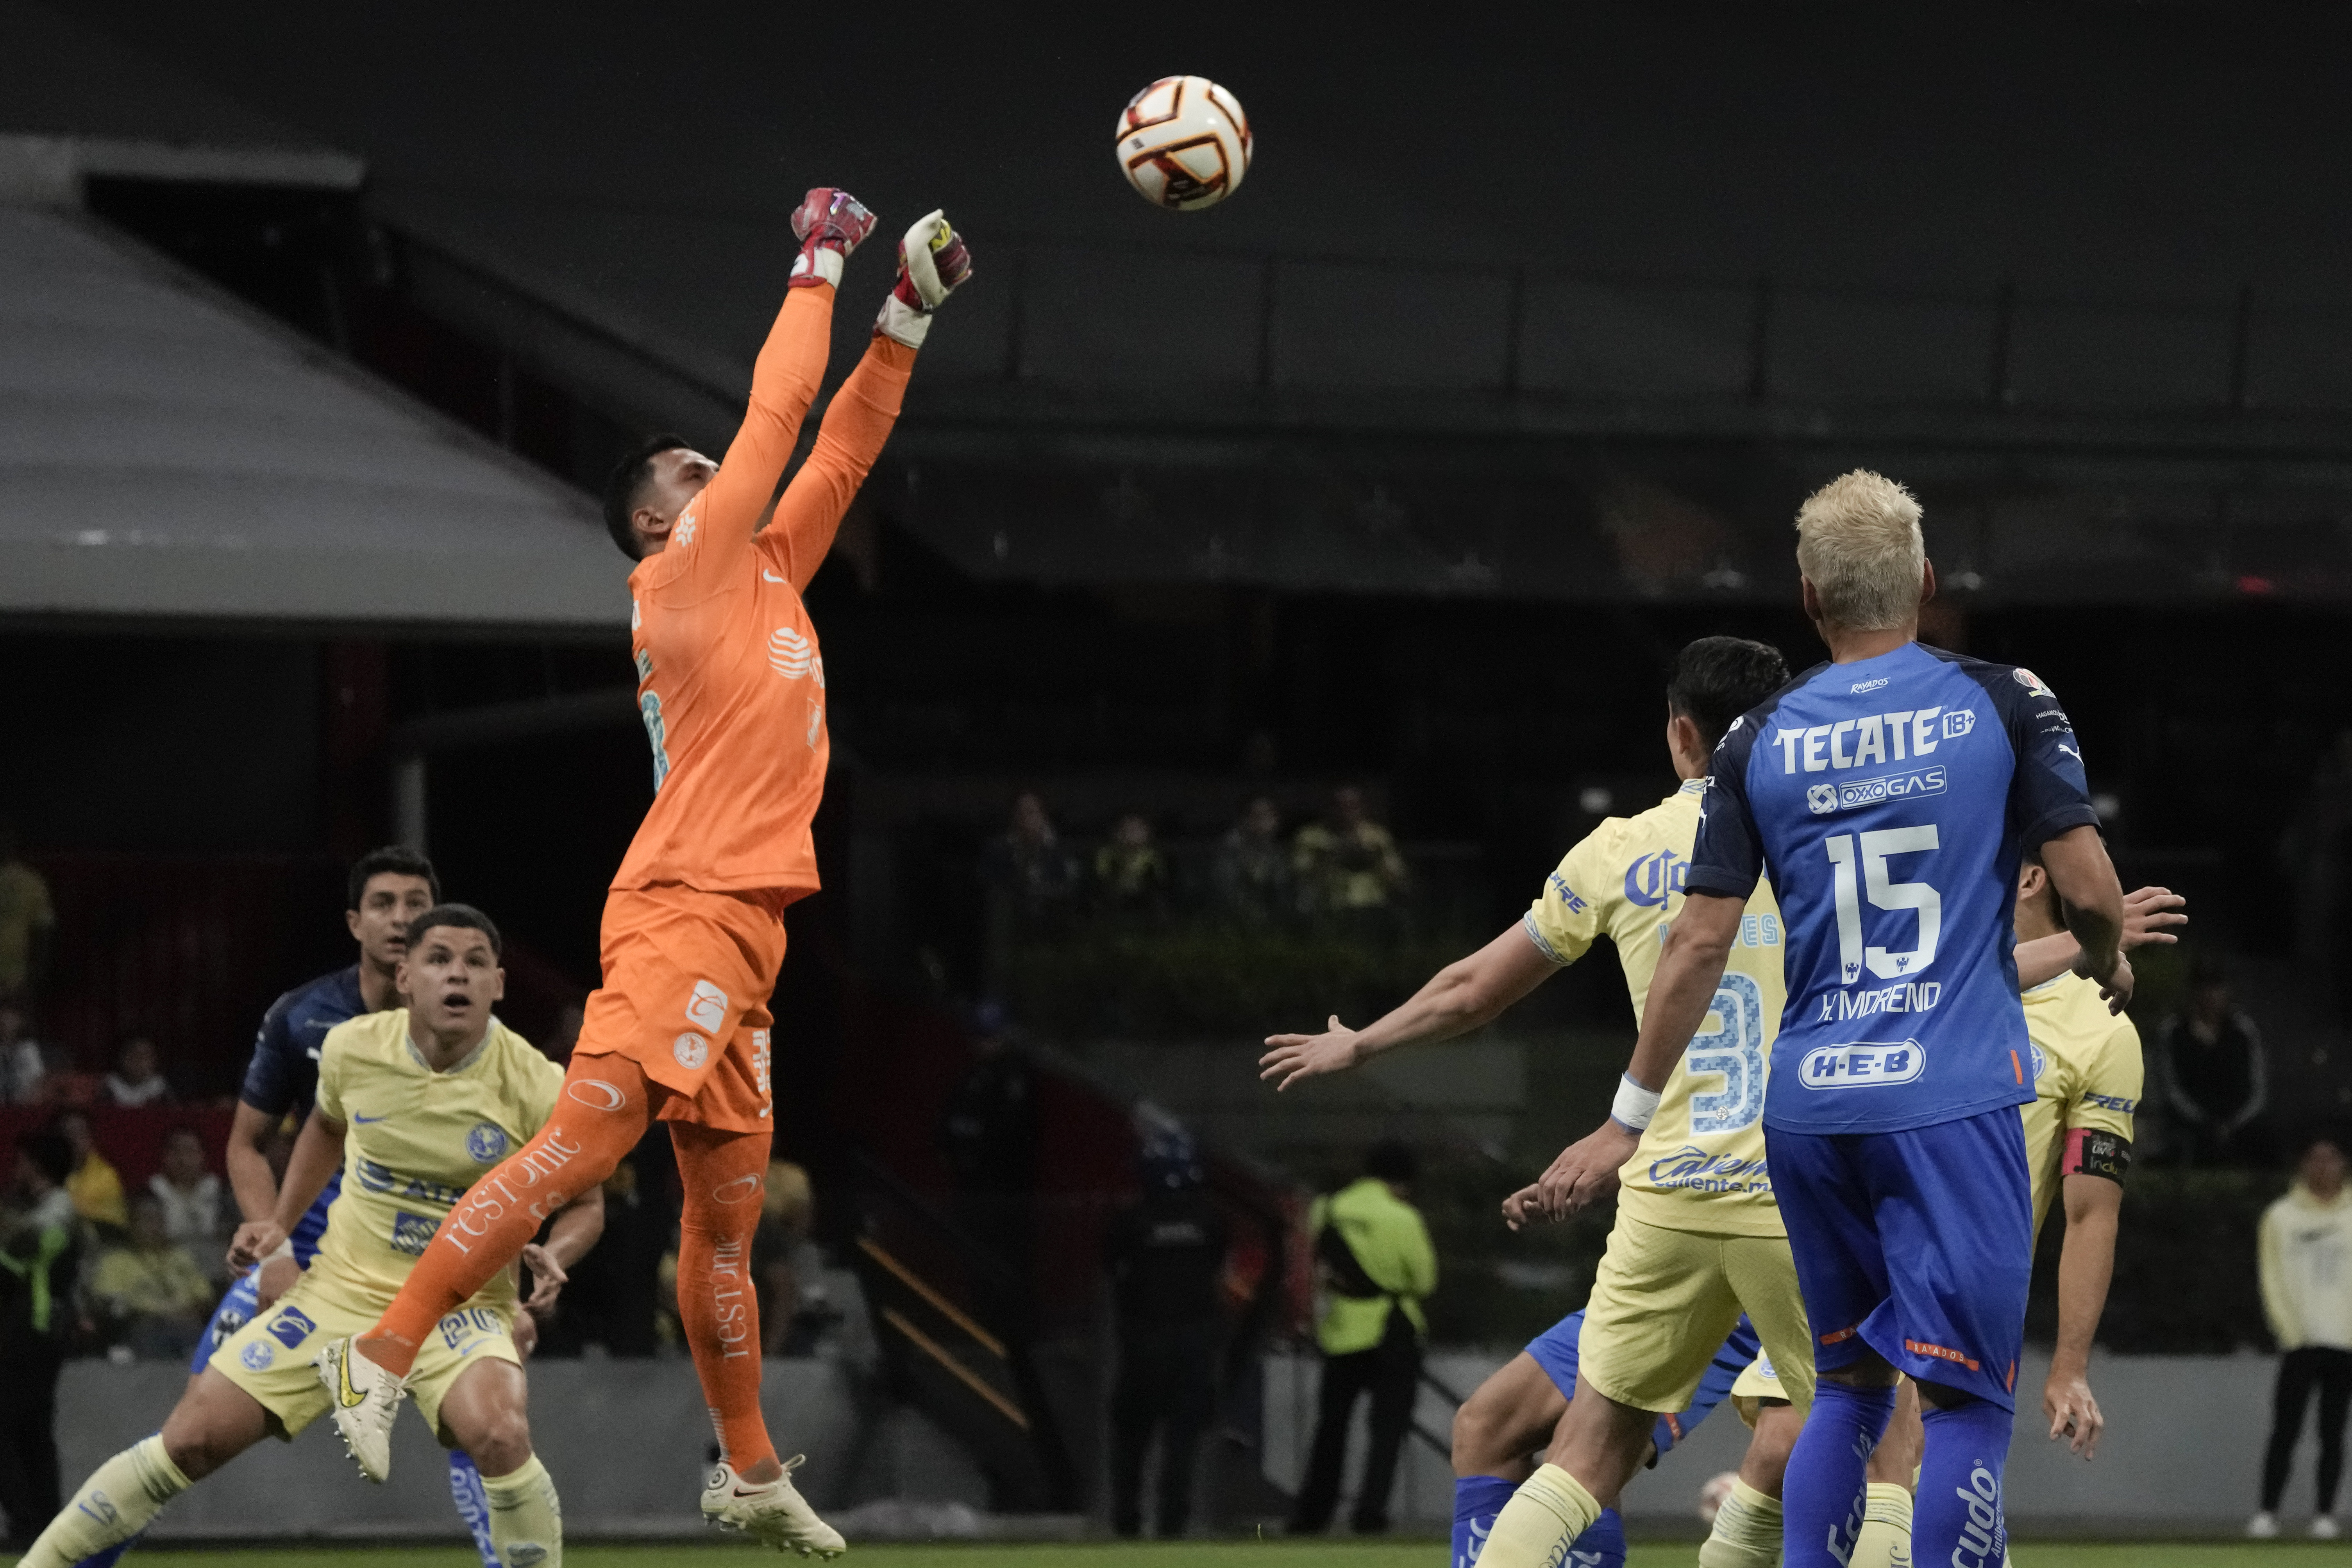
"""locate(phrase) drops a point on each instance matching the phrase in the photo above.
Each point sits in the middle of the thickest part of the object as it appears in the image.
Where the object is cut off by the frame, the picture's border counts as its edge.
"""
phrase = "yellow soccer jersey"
(415, 1139)
(1700, 1165)
(2087, 1074)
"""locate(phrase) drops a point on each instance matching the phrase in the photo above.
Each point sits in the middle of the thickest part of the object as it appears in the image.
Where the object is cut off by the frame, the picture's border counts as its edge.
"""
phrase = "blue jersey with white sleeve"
(283, 1075)
(1889, 800)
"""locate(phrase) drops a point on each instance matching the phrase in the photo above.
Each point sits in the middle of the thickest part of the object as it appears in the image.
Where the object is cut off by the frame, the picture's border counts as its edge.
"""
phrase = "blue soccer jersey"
(283, 1075)
(1890, 800)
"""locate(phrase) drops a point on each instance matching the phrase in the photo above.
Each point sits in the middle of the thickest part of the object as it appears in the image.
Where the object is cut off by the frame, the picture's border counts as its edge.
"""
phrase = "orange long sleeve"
(857, 425)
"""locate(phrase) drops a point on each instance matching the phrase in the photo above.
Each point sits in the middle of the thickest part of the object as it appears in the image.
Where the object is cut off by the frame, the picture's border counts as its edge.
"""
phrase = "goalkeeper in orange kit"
(731, 687)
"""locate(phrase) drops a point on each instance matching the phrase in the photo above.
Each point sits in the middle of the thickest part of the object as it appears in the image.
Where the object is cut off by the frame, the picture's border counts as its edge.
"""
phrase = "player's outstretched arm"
(1690, 968)
(2094, 899)
(2086, 1263)
(1461, 996)
(318, 1155)
(933, 262)
(248, 1159)
(2149, 915)
(577, 1226)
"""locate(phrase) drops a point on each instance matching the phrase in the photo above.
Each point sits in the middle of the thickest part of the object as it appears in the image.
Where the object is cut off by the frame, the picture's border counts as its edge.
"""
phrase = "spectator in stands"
(1253, 871)
(96, 1190)
(1166, 1255)
(155, 1297)
(28, 924)
(1130, 874)
(2306, 1247)
(988, 1134)
(23, 1066)
(1028, 864)
(191, 1196)
(1373, 1255)
(40, 1253)
(2209, 1061)
(1348, 862)
(138, 1076)
(785, 1262)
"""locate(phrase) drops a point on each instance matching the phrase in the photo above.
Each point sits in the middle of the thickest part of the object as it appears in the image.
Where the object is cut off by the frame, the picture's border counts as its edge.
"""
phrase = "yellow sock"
(1885, 1538)
(115, 1504)
(526, 1519)
(1747, 1532)
(1550, 1510)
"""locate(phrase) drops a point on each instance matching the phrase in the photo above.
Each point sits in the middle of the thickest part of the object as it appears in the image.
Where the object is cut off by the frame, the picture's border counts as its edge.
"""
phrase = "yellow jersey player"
(413, 1104)
(1698, 1238)
(2078, 1136)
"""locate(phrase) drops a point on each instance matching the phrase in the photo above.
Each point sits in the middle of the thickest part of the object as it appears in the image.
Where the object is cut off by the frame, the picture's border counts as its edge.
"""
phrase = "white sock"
(1885, 1538)
(1747, 1532)
(115, 1504)
(526, 1518)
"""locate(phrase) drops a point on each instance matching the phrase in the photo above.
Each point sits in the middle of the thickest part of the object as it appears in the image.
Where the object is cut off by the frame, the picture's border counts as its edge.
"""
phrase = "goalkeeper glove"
(933, 264)
(829, 223)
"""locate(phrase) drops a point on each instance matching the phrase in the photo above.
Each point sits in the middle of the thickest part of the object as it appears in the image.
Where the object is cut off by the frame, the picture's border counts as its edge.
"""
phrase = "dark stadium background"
(1320, 487)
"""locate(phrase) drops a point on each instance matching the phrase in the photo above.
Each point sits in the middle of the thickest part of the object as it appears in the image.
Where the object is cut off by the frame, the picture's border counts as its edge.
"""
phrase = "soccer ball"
(1183, 142)
(1715, 1494)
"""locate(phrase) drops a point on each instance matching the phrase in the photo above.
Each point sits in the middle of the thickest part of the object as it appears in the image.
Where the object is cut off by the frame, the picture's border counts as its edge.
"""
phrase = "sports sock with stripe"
(115, 1504)
(722, 1176)
(526, 1519)
(601, 1113)
(1746, 1530)
(1885, 1538)
(1958, 1517)
(1544, 1517)
(1476, 1501)
(1822, 1500)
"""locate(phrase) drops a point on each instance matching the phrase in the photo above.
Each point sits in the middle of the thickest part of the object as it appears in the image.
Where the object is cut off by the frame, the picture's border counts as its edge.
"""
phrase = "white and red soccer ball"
(1184, 143)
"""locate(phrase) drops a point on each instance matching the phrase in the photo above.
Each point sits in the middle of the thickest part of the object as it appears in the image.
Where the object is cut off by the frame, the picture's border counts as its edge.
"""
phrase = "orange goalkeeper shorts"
(687, 979)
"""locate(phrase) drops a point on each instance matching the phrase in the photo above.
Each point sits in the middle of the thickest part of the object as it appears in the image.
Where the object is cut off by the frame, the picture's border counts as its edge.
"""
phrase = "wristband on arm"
(1635, 1105)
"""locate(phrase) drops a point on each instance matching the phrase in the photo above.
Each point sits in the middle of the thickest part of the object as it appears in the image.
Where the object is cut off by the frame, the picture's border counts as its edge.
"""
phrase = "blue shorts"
(1554, 1350)
(1915, 1244)
(236, 1308)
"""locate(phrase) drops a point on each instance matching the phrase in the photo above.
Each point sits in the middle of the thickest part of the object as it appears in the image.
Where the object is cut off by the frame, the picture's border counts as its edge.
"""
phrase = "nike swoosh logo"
(356, 1117)
(352, 1398)
(771, 576)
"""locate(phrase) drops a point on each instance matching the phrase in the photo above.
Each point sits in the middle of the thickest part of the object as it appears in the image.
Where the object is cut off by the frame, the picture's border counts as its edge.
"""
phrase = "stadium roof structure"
(167, 453)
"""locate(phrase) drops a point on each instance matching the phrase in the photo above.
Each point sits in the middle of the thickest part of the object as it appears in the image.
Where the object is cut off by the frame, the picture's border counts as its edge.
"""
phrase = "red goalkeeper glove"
(829, 224)
(933, 264)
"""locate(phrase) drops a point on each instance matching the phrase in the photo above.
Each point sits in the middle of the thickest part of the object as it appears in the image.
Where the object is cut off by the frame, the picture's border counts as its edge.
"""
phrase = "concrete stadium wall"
(627, 1440)
(2182, 1451)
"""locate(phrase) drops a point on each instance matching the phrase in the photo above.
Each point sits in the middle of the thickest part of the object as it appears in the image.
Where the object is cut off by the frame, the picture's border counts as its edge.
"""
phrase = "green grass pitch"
(1336, 1553)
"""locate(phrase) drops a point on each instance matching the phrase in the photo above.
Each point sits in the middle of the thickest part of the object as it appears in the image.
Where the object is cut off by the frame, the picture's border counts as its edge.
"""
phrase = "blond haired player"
(412, 1103)
(731, 687)
(1698, 1238)
(2078, 1132)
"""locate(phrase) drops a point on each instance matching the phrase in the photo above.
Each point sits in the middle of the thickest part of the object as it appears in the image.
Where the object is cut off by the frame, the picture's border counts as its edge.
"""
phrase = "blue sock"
(107, 1558)
(1821, 1504)
(1476, 1501)
(1957, 1518)
(1602, 1545)
(473, 1505)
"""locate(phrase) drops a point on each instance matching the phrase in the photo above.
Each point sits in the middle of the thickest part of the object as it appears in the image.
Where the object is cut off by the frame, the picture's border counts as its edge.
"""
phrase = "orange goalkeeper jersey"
(731, 683)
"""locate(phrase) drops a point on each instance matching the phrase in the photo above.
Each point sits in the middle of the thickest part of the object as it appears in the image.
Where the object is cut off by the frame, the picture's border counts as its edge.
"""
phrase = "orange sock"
(724, 1175)
(599, 1116)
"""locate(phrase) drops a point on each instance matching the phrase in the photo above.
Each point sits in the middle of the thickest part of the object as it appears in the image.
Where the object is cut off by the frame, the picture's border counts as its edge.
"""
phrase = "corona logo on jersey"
(1651, 880)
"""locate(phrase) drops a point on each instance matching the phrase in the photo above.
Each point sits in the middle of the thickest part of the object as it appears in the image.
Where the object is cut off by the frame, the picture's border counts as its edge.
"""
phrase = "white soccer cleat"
(2263, 1526)
(2324, 1528)
(365, 1399)
(772, 1511)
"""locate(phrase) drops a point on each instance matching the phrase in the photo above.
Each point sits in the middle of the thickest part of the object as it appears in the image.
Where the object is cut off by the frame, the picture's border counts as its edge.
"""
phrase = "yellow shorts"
(1758, 1383)
(1666, 1300)
(270, 1357)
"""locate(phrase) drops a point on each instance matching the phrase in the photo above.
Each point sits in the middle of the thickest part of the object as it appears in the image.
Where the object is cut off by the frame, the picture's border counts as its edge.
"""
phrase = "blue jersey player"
(1889, 794)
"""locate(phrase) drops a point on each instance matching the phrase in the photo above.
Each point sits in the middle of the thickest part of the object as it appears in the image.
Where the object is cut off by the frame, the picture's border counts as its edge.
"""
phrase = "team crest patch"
(2032, 682)
(257, 1356)
(2039, 1061)
(292, 1328)
(412, 1233)
(486, 1142)
(691, 1051)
